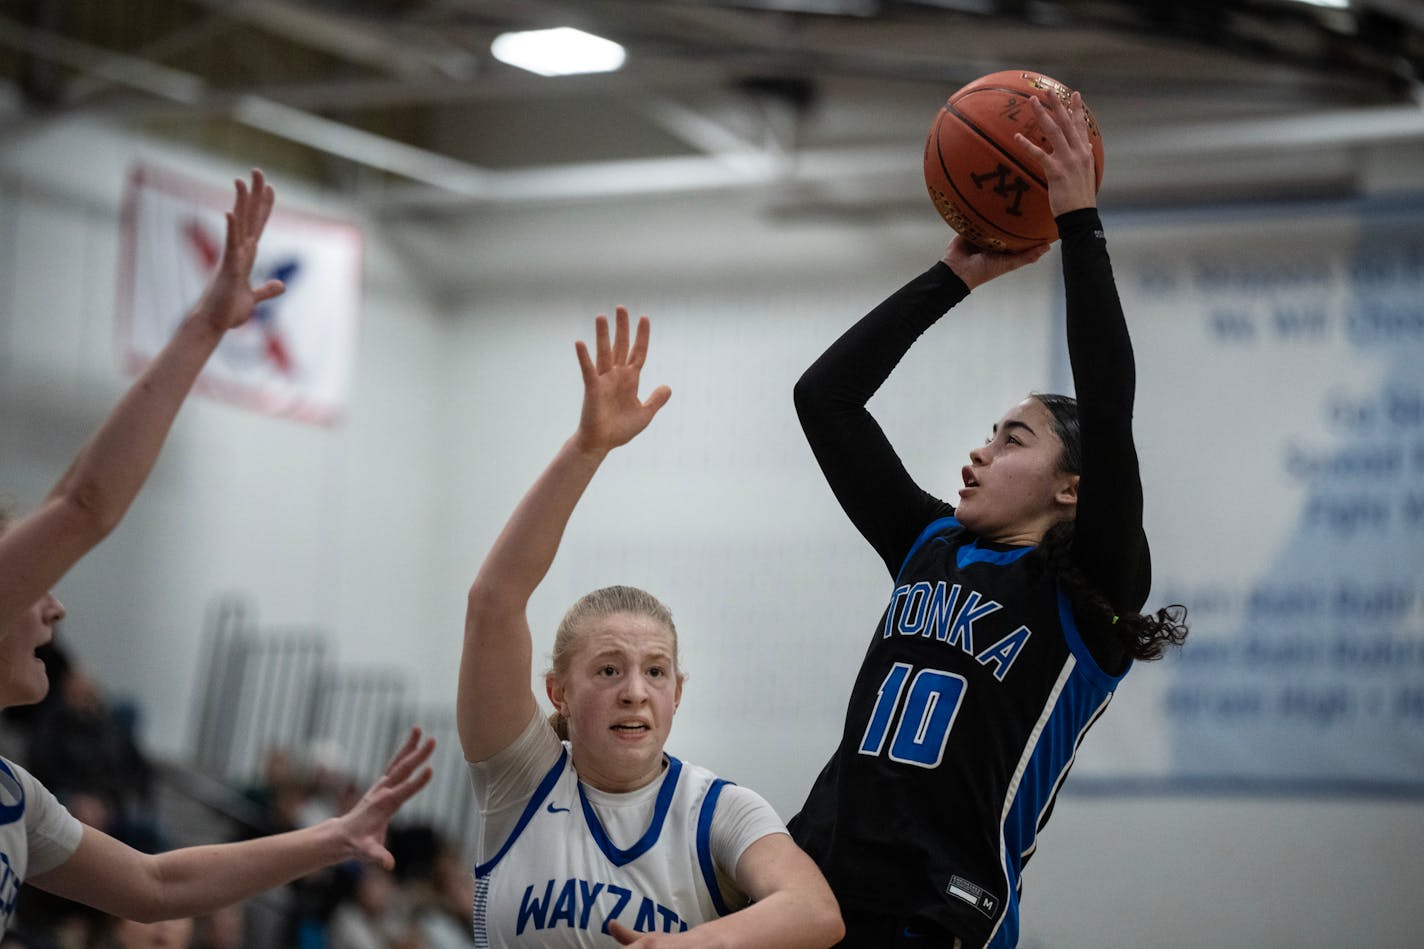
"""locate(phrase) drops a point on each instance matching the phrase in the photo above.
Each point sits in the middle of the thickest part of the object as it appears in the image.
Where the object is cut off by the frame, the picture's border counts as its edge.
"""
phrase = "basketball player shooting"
(1013, 614)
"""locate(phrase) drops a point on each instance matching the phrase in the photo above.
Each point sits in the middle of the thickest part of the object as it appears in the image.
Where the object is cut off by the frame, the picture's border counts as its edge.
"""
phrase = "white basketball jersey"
(559, 879)
(36, 834)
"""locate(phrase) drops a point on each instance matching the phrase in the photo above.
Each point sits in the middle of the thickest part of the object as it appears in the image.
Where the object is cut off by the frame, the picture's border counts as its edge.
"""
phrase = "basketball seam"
(985, 225)
(949, 107)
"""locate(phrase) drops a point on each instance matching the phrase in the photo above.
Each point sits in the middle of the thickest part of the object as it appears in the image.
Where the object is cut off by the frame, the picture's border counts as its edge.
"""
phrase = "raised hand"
(230, 298)
(364, 826)
(1069, 168)
(975, 265)
(612, 412)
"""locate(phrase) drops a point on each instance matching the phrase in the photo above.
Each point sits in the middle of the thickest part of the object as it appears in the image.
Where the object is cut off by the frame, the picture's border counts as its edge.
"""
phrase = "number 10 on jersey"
(922, 729)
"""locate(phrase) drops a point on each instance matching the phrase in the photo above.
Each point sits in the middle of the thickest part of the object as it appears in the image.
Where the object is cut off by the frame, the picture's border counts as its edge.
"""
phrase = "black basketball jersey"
(963, 722)
(977, 686)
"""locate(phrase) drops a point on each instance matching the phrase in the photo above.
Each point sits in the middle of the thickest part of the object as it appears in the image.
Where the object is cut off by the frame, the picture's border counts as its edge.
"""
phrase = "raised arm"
(864, 472)
(494, 701)
(92, 495)
(121, 881)
(1109, 543)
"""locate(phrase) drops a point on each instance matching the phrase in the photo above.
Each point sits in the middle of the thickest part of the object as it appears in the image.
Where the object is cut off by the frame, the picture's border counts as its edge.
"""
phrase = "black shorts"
(877, 931)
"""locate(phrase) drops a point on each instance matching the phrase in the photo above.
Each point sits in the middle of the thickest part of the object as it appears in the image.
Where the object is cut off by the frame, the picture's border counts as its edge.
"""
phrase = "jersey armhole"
(535, 800)
(704, 846)
(1087, 663)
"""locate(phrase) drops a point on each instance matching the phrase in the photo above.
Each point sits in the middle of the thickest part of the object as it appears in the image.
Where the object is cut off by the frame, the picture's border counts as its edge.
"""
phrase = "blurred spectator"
(84, 750)
(442, 907)
(170, 934)
(374, 915)
(224, 929)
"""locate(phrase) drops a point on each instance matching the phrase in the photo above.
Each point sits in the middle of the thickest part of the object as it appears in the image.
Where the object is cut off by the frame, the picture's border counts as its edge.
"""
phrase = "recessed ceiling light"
(563, 51)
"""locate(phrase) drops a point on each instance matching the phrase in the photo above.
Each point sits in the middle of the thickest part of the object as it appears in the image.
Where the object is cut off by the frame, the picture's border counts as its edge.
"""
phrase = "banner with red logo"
(296, 356)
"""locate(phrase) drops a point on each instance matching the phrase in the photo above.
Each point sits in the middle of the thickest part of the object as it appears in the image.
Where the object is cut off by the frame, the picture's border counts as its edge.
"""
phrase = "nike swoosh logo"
(556, 810)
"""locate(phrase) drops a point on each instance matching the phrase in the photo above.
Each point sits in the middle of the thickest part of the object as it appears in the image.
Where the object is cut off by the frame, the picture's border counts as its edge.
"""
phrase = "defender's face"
(619, 698)
(23, 680)
(1014, 489)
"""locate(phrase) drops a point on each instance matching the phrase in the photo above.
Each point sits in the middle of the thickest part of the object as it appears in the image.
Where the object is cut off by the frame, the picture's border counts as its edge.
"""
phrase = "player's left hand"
(364, 826)
(230, 297)
(975, 265)
(1069, 168)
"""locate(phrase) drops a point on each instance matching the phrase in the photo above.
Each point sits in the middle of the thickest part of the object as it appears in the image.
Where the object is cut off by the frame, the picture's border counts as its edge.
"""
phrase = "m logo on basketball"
(1003, 188)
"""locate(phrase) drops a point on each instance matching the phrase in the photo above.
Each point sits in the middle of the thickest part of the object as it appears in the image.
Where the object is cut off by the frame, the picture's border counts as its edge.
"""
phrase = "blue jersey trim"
(9, 813)
(1232, 786)
(1006, 936)
(541, 792)
(967, 554)
(1086, 663)
(1079, 704)
(619, 857)
(704, 845)
(934, 527)
(973, 553)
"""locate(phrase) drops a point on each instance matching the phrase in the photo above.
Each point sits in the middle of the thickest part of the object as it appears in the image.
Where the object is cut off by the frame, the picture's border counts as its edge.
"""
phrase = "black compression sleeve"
(863, 470)
(1109, 544)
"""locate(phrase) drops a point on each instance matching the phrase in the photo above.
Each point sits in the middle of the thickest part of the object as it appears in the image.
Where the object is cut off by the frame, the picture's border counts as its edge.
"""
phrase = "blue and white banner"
(1281, 427)
(296, 356)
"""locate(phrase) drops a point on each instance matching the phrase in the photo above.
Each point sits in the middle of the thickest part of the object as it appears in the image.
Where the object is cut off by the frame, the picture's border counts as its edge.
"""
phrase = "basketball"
(981, 181)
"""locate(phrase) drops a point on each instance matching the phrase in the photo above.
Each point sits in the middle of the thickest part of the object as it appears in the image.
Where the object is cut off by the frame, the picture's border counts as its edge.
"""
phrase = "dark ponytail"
(1139, 635)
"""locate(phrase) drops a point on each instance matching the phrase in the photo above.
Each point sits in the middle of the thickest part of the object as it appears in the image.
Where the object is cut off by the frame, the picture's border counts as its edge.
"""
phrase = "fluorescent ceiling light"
(1332, 4)
(559, 52)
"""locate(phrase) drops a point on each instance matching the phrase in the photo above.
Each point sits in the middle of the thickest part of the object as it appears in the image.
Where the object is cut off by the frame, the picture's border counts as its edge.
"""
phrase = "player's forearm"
(197, 880)
(786, 919)
(525, 549)
(107, 473)
(90, 498)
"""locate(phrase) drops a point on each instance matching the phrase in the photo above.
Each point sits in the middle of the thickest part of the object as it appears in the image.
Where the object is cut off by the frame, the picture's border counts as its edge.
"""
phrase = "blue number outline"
(922, 702)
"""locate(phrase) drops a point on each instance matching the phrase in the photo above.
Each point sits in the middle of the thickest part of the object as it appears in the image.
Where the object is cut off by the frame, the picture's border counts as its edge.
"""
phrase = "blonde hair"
(593, 606)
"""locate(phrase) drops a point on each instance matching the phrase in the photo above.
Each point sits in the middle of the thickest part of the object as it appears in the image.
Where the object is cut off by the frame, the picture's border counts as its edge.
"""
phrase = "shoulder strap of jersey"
(536, 799)
(704, 845)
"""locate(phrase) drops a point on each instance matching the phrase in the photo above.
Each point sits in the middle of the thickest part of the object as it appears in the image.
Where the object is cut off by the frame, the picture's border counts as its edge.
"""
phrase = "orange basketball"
(981, 181)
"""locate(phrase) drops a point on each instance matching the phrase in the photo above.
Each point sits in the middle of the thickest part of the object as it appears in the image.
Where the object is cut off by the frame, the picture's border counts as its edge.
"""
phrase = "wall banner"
(296, 356)
(1281, 426)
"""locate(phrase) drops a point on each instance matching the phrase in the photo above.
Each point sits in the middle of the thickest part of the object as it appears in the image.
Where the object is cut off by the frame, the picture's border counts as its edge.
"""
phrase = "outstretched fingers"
(640, 342)
(1052, 131)
(620, 336)
(1068, 162)
(412, 741)
(270, 289)
(602, 347)
(656, 400)
(616, 349)
(263, 197)
(586, 366)
(251, 207)
(401, 777)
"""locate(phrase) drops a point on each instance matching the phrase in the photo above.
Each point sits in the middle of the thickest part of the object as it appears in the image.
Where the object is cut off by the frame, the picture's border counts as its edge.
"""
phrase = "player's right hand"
(612, 412)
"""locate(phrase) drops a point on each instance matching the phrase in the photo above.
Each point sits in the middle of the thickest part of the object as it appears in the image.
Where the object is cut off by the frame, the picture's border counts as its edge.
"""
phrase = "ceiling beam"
(387, 47)
(619, 179)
